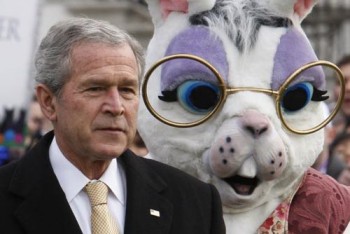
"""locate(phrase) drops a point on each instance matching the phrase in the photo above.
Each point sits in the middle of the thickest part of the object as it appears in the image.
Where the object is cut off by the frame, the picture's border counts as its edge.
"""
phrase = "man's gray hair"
(53, 57)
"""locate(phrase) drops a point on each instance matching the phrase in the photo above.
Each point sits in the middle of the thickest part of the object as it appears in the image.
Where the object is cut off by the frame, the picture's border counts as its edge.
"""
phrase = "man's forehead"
(96, 55)
(92, 52)
(98, 61)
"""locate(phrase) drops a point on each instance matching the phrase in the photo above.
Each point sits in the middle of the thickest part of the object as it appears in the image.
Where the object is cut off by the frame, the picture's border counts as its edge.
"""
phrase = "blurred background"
(328, 28)
(23, 23)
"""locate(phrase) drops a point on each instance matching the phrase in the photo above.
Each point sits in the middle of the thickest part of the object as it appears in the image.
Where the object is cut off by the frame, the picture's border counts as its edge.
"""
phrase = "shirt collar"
(65, 171)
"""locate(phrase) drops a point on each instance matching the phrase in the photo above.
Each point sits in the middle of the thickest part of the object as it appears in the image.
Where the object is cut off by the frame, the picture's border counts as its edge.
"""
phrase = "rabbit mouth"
(242, 185)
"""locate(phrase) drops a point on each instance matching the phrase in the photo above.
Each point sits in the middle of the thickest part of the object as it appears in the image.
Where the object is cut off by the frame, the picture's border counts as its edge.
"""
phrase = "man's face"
(35, 118)
(342, 150)
(95, 114)
(346, 104)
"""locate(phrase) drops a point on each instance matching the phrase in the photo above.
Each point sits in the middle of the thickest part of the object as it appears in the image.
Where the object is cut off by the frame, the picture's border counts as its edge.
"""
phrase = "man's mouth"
(242, 185)
(112, 129)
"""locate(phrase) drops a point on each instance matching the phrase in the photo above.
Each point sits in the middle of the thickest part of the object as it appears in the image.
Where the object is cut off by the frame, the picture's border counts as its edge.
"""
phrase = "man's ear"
(161, 9)
(47, 101)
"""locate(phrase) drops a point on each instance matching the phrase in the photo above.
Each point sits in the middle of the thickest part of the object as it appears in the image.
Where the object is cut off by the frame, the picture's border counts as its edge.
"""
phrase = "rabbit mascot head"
(233, 95)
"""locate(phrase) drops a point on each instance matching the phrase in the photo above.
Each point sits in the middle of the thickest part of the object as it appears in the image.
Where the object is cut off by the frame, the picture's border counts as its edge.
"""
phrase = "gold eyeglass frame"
(227, 91)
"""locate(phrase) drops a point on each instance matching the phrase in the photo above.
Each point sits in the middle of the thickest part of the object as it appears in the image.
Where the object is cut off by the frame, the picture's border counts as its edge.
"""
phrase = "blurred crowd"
(334, 160)
(20, 130)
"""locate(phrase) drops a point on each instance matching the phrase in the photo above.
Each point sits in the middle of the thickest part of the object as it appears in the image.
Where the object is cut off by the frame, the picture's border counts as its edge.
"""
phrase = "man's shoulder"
(316, 182)
(321, 187)
(319, 195)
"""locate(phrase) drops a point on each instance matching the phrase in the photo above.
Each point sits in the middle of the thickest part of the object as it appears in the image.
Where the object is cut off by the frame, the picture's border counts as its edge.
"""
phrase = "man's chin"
(110, 151)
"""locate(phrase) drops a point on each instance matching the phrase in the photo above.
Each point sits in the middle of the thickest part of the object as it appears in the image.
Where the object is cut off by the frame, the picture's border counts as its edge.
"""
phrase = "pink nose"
(255, 123)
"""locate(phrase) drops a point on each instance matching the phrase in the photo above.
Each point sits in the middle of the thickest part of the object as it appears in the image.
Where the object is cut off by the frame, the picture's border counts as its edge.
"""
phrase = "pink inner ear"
(168, 6)
(302, 7)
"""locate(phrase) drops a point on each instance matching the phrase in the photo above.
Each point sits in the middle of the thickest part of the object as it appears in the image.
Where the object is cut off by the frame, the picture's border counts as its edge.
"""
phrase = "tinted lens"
(181, 91)
(305, 103)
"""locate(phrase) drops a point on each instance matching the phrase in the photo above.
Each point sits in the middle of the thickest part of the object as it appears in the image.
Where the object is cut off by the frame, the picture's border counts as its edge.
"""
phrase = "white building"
(130, 15)
(328, 28)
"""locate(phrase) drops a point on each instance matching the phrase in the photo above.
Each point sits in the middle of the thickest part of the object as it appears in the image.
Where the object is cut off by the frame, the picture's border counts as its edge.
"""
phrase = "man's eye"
(128, 90)
(95, 89)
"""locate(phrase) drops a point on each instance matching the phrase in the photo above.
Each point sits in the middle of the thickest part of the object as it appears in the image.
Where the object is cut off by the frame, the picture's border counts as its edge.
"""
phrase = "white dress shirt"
(72, 181)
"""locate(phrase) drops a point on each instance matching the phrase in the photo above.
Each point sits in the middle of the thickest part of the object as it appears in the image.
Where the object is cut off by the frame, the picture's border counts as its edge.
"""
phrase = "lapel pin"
(154, 212)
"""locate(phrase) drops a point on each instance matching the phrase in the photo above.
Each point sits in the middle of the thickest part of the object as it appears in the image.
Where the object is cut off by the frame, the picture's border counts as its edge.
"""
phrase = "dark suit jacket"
(32, 201)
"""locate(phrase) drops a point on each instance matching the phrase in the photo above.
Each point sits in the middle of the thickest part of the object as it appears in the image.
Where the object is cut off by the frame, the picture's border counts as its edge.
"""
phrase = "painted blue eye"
(198, 97)
(297, 96)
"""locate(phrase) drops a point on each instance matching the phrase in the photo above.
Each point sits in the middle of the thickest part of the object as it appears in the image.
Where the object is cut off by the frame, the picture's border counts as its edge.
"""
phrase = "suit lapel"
(147, 211)
(44, 208)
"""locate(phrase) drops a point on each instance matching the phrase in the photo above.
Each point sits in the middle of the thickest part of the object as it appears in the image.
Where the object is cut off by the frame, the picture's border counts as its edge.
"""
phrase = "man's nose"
(113, 102)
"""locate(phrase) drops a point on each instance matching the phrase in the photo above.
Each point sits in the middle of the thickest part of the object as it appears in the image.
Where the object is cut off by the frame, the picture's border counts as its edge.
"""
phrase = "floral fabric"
(278, 220)
(320, 206)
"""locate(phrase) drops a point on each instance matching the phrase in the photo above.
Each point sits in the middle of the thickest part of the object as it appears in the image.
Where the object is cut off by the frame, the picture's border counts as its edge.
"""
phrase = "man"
(343, 119)
(88, 75)
(37, 124)
(340, 151)
(138, 146)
